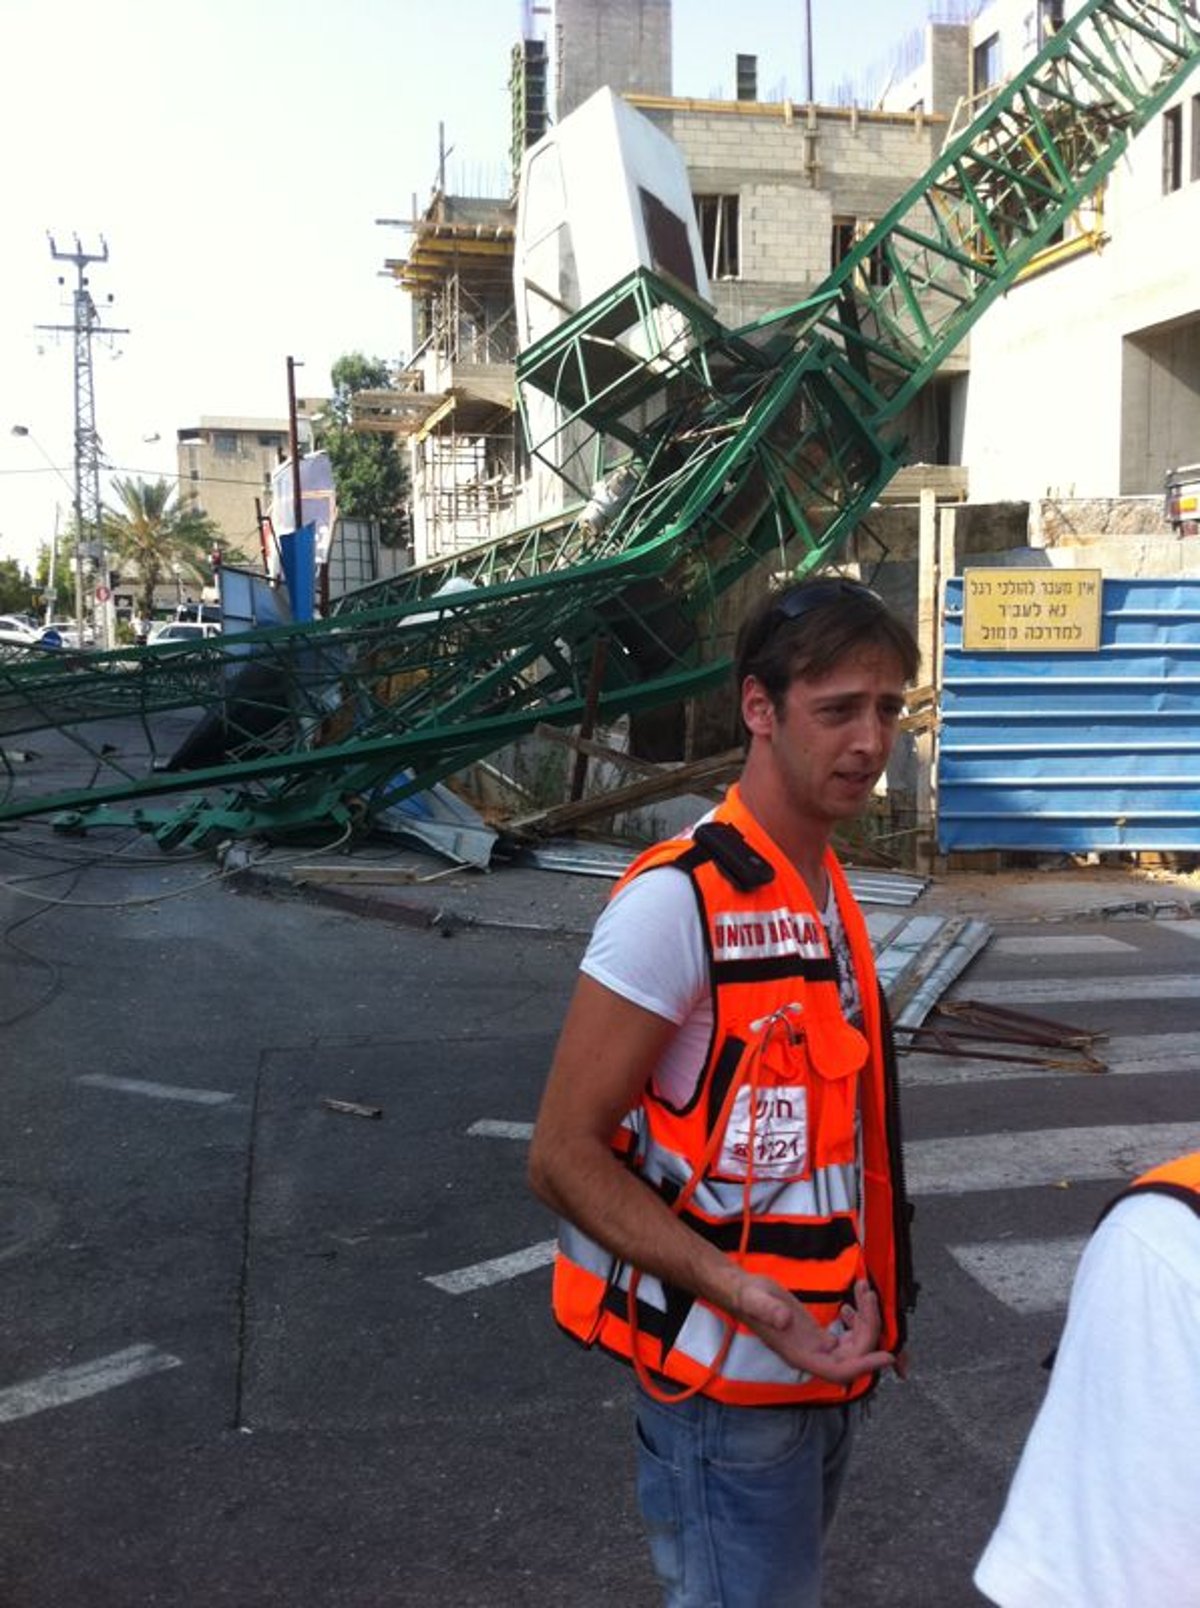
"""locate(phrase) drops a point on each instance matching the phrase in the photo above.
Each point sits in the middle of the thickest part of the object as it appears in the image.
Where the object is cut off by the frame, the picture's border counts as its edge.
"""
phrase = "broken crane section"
(697, 452)
(766, 441)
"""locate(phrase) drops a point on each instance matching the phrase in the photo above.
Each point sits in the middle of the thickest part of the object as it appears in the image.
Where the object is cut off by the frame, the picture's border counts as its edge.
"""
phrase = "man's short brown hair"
(802, 632)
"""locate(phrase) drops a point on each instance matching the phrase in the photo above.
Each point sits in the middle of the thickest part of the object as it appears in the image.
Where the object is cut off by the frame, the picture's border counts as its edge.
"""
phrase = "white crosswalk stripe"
(994, 1161)
(1027, 1275)
(1033, 1276)
(1027, 991)
(62, 1386)
(1042, 948)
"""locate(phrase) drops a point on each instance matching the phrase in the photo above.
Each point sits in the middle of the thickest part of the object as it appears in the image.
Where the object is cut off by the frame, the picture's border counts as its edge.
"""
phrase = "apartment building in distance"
(226, 462)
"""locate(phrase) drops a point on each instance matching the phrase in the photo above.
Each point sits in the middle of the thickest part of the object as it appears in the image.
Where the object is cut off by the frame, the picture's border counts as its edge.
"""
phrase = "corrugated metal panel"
(1077, 751)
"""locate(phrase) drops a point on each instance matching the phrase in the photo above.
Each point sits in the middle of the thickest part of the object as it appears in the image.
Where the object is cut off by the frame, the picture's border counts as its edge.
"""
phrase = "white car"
(182, 631)
(19, 630)
(67, 633)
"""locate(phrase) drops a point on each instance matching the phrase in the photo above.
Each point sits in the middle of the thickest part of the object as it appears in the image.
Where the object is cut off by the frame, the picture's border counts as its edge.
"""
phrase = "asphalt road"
(261, 1350)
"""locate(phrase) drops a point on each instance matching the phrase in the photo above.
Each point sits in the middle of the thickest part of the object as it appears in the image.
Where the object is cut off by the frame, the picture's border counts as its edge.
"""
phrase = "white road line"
(1189, 929)
(486, 1128)
(1027, 1275)
(1035, 948)
(155, 1091)
(65, 1385)
(1016, 993)
(1122, 1056)
(501, 1268)
(963, 1166)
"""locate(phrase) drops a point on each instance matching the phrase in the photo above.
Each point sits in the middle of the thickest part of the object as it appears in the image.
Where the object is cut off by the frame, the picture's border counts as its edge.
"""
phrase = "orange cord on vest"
(747, 1070)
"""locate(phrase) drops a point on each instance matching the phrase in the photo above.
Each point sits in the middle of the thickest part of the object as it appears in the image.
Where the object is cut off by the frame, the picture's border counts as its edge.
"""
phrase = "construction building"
(1084, 382)
(782, 191)
(455, 411)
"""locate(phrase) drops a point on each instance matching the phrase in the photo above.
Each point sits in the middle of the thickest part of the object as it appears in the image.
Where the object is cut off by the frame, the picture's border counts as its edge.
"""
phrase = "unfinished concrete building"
(456, 411)
(781, 191)
(1081, 384)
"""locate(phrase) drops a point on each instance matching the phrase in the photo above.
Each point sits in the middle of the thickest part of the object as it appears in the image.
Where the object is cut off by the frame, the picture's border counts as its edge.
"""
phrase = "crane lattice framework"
(770, 439)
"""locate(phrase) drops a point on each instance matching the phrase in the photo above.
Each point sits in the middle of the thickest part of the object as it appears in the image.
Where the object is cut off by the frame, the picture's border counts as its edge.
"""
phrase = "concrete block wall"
(793, 174)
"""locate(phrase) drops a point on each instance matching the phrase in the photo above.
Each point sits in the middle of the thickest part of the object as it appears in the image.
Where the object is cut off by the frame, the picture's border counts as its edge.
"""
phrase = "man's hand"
(786, 1325)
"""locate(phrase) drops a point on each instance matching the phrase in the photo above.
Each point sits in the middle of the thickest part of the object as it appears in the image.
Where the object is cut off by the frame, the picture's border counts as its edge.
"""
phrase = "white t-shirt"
(1104, 1508)
(648, 946)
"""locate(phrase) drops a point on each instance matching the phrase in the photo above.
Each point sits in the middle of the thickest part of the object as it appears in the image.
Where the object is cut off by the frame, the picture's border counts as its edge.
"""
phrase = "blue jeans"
(736, 1500)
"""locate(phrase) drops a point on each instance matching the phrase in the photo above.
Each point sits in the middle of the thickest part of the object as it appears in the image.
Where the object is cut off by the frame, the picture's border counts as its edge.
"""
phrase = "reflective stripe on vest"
(790, 1117)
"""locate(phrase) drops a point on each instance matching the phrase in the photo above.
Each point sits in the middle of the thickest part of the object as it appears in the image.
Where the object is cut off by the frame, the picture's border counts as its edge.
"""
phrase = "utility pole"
(89, 532)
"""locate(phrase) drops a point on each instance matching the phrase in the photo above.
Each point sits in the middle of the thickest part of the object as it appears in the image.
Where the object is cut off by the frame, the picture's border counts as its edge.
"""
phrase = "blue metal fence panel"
(1076, 751)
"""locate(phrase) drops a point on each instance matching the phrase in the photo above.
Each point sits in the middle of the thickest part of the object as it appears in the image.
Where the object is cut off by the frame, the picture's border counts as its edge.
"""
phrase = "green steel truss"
(716, 448)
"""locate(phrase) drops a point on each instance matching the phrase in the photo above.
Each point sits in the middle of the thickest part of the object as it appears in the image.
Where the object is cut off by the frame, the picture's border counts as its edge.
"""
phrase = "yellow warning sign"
(1032, 610)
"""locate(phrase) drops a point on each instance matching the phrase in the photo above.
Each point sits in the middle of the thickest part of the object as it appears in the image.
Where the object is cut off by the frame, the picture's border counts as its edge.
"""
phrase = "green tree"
(370, 476)
(16, 588)
(153, 534)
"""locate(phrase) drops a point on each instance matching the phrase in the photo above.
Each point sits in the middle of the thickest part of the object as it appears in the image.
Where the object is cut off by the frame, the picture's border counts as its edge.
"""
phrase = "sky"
(235, 157)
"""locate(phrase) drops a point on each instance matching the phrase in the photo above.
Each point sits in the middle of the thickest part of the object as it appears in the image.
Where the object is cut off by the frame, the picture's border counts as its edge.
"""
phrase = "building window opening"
(985, 64)
(1050, 19)
(1172, 149)
(879, 269)
(718, 219)
(841, 240)
(845, 236)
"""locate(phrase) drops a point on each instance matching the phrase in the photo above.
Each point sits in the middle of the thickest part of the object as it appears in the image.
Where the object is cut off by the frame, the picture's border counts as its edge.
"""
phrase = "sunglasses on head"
(798, 601)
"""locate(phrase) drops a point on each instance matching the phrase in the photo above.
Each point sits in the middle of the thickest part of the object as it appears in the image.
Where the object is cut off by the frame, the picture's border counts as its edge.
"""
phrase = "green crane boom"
(770, 439)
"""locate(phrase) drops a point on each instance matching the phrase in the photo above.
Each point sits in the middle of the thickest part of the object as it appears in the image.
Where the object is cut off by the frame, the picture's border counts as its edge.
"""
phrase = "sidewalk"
(392, 882)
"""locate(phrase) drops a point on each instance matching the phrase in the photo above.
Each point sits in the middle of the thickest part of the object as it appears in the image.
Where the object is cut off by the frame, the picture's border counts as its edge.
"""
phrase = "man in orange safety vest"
(720, 1131)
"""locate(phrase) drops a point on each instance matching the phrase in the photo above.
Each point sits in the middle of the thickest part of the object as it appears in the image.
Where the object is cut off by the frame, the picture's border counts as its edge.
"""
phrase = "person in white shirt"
(1104, 1508)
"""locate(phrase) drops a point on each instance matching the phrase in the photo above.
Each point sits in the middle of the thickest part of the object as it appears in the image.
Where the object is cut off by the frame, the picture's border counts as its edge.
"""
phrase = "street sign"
(1032, 610)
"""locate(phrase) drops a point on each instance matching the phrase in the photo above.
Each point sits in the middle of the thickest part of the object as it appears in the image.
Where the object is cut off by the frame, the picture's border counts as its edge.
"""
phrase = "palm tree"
(154, 535)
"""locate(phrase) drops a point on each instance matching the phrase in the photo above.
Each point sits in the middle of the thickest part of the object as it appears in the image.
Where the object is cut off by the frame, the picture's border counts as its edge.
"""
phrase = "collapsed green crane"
(714, 448)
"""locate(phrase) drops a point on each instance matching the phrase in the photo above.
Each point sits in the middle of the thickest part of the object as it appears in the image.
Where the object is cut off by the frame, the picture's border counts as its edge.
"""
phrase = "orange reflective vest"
(1179, 1178)
(788, 1154)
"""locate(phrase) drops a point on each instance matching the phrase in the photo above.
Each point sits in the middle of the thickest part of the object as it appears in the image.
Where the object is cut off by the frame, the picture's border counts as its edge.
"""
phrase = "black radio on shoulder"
(730, 852)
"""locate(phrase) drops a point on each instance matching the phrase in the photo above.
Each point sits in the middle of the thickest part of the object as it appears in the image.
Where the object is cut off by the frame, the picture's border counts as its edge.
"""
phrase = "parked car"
(20, 630)
(181, 631)
(67, 632)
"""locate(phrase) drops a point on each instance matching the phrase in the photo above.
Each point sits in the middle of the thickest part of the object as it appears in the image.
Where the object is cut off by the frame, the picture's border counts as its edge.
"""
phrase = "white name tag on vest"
(780, 1134)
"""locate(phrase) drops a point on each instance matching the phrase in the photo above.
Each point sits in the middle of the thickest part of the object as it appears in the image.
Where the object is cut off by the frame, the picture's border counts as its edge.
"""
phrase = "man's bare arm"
(605, 1056)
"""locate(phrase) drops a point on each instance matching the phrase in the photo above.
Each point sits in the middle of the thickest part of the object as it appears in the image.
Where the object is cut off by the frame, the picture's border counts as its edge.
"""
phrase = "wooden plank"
(596, 750)
(672, 783)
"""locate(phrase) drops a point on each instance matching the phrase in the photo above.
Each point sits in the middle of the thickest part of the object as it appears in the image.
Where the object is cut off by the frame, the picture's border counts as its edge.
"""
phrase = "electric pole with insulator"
(89, 516)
